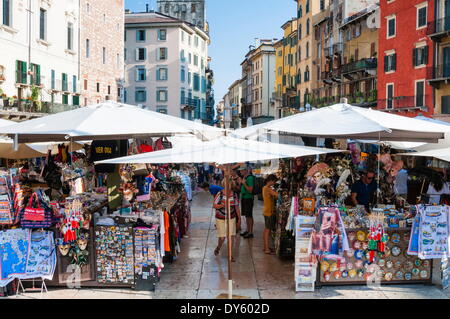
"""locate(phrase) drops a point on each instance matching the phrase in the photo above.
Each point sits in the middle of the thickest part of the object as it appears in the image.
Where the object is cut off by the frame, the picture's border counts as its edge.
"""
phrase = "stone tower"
(192, 11)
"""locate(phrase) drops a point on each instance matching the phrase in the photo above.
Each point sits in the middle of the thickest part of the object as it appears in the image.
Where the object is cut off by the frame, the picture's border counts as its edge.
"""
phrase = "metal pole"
(230, 244)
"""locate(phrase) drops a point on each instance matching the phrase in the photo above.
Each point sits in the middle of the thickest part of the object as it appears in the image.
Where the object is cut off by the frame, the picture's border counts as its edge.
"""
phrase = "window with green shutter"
(21, 72)
(53, 79)
(74, 83)
(196, 82)
(65, 99)
(64, 83)
(76, 100)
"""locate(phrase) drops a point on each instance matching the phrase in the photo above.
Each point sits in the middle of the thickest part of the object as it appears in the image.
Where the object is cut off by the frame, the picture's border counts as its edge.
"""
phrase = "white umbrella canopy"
(105, 121)
(224, 150)
(347, 121)
(442, 154)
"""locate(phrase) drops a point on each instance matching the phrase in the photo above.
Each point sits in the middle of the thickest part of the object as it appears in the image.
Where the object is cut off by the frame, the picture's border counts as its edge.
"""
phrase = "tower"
(192, 11)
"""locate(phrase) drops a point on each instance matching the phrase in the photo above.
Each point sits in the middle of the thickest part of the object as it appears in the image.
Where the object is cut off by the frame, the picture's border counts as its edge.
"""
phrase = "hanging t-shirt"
(433, 235)
(166, 231)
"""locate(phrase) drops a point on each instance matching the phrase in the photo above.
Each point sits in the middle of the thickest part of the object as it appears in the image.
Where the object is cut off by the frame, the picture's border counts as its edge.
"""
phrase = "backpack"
(258, 184)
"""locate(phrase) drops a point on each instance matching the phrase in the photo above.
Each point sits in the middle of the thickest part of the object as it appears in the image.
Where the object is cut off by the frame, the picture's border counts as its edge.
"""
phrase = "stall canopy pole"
(378, 168)
(230, 244)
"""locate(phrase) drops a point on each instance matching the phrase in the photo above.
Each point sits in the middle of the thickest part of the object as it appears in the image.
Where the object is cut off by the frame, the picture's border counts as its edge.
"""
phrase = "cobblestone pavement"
(198, 274)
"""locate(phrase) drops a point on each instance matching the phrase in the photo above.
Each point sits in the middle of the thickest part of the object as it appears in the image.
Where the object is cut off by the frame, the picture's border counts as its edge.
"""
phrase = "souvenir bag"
(34, 214)
(44, 223)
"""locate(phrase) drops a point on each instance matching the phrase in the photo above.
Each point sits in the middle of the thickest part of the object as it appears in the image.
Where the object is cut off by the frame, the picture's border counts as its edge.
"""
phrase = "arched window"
(307, 49)
(307, 6)
(306, 76)
(299, 31)
(307, 26)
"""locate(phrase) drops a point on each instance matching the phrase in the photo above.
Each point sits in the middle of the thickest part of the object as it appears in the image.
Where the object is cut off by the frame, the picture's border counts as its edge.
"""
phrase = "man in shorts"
(247, 199)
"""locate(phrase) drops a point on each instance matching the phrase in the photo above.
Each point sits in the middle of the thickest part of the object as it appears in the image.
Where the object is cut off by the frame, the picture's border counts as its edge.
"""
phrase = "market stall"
(335, 242)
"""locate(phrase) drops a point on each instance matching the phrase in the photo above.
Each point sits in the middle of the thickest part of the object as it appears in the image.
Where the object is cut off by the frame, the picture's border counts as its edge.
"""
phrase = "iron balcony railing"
(360, 65)
(37, 107)
(439, 25)
(403, 102)
(189, 102)
(338, 48)
(441, 71)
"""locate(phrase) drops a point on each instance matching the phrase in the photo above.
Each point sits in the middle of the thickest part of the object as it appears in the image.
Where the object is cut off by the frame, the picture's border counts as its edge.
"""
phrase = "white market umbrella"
(443, 154)
(347, 121)
(105, 121)
(224, 150)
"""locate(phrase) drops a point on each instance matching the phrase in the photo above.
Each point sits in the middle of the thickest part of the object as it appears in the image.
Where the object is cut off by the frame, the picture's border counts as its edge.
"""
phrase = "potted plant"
(35, 92)
(359, 97)
(373, 96)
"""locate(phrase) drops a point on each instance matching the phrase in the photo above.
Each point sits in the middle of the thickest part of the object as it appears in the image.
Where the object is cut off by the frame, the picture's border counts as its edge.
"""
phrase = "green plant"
(35, 92)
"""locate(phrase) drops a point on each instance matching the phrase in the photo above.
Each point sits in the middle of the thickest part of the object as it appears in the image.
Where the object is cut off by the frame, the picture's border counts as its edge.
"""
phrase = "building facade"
(261, 72)
(306, 9)
(234, 95)
(102, 49)
(192, 11)
(439, 73)
(166, 65)
(360, 57)
(39, 63)
(403, 53)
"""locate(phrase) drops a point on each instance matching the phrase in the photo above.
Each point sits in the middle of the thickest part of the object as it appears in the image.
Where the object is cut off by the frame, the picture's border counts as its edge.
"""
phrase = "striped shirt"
(220, 199)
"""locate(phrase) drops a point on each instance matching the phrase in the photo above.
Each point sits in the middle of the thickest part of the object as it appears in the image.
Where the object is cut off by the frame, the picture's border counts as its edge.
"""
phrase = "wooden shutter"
(394, 61)
(24, 72)
(425, 55)
(38, 74)
(414, 57)
(386, 63)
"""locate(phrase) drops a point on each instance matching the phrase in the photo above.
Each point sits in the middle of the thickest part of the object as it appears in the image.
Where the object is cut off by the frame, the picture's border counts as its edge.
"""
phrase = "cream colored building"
(262, 76)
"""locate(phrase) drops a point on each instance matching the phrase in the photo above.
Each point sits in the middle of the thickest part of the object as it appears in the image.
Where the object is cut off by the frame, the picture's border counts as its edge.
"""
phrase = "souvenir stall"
(348, 244)
(64, 202)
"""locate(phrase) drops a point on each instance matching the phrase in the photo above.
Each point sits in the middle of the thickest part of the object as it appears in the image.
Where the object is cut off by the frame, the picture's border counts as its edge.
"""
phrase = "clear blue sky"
(234, 25)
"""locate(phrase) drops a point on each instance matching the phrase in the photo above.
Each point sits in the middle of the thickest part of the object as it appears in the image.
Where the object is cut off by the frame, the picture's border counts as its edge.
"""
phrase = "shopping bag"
(34, 214)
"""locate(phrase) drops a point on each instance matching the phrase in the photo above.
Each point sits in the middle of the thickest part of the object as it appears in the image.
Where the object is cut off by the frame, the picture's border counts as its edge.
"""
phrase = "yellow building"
(306, 9)
(286, 77)
(359, 69)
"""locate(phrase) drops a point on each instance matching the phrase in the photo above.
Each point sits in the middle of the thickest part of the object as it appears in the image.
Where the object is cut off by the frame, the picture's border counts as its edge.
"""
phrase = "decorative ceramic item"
(409, 265)
(365, 245)
(345, 274)
(350, 266)
(352, 273)
(350, 253)
(418, 262)
(388, 276)
(333, 267)
(324, 266)
(337, 275)
(361, 236)
(423, 274)
(351, 236)
(387, 251)
(395, 238)
(360, 273)
(382, 262)
(398, 264)
(399, 275)
(359, 254)
(426, 263)
(359, 264)
(408, 276)
(327, 276)
(396, 251)
(357, 245)
(389, 264)
(415, 272)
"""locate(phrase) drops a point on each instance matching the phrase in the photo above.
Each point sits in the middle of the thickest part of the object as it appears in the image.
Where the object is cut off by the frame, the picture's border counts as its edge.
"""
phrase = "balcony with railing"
(360, 65)
(439, 27)
(439, 72)
(190, 103)
(328, 51)
(35, 107)
(404, 103)
(363, 99)
(338, 48)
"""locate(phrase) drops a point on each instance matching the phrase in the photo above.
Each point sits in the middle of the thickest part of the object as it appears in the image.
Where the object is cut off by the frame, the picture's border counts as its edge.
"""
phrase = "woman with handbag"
(221, 218)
